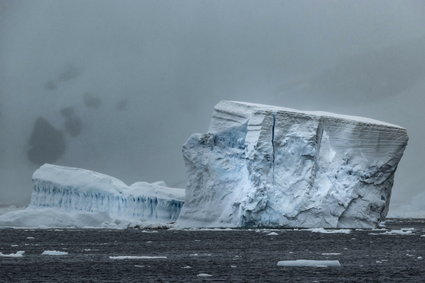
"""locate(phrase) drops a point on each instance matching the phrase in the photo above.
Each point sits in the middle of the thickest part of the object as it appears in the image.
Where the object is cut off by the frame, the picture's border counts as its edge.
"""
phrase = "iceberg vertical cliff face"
(263, 165)
(74, 189)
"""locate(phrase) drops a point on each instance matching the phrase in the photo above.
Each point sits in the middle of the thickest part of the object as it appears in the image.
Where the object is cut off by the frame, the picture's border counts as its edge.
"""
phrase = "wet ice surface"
(226, 255)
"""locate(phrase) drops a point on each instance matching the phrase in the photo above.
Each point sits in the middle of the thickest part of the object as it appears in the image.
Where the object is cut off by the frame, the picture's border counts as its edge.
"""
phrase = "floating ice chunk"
(329, 231)
(187, 267)
(331, 253)
(395, 232)
(17, 254)
(270, 166)
(53, 252)
(272, 234)
(312, 263)
(137, 257)
(204, 275)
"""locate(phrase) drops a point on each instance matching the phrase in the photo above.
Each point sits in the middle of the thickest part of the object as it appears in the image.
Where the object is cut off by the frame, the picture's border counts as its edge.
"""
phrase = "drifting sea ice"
(136, 257)
(17, 254)
(53, 252)
(311, 263)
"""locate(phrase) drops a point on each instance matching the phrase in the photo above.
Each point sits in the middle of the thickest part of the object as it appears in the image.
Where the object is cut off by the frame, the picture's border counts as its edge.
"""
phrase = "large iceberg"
(77, 197)
(262, 165)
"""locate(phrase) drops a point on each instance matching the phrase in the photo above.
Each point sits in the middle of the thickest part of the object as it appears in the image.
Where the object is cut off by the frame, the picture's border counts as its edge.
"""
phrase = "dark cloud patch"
(121, 105)
(46, 144)
(91, 101)
(68, 73)
(67, 111)
(73, 125)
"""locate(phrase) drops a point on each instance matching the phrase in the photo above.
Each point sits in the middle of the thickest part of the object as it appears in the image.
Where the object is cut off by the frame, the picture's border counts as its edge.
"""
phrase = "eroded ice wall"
(262, 165)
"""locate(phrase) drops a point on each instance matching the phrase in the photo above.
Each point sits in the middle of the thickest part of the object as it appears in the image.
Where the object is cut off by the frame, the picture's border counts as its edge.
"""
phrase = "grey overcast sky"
(118, 86)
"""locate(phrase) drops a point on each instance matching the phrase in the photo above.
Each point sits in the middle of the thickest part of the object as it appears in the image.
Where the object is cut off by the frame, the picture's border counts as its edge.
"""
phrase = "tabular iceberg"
(75, 189)
(262, 165)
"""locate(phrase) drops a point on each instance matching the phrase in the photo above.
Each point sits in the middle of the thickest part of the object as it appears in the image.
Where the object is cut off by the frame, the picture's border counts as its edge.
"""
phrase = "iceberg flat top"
(245, 108)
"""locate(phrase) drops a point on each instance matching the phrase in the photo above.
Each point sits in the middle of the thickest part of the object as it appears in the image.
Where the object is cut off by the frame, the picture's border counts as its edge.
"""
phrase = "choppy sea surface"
(393, 253)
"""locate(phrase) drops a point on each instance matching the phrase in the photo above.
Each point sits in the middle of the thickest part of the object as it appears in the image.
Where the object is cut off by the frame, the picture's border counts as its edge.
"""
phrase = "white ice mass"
(262, 165)
(74, 197)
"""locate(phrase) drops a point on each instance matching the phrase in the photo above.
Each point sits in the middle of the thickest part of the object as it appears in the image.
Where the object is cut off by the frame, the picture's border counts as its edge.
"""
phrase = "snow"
(309, 263)
(17, 254)
(137, 257)
(74, 197)
(270, 166)
(53, 252)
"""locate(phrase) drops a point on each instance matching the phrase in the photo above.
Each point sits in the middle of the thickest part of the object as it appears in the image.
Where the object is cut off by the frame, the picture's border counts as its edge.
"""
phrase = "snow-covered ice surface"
(74, 197)
(312, 263)
(53, 252)
(262, 165)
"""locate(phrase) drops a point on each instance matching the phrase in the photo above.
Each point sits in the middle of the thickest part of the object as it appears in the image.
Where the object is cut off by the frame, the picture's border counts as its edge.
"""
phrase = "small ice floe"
(14, 245)
(30, 238)
(137, 257)
(53, 252)
(378, 261)
(139, 266)
(17, 254)
(204, 275)
(87, 250)
(310, 263)
(149, 231)
(233, 266)
(422, 235)
(420, 258)
(331, 253)
(193, 255)
(328, 231)
(272, 234)
(187, 267)
(395, 232)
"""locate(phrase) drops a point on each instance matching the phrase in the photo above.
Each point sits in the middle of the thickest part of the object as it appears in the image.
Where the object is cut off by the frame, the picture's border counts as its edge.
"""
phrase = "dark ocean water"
(229, 255)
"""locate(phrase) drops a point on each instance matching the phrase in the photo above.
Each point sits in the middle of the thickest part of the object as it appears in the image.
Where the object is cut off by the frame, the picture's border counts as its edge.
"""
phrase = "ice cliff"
(74, 189)
(262, 165)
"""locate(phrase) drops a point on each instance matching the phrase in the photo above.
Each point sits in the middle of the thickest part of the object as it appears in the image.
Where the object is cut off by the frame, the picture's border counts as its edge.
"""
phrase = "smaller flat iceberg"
(84, 198)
